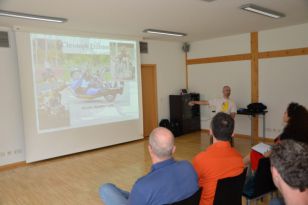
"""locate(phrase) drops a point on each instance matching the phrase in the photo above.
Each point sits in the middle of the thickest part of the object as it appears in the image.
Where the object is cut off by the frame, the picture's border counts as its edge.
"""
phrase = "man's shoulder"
(153, 177)
(141, 181)
(236, 153)
(202, 155)
(175, 165)
(215, 100)
(179, 165)
(231, 101)
(212, 151)
(184, 163)
(221, 100)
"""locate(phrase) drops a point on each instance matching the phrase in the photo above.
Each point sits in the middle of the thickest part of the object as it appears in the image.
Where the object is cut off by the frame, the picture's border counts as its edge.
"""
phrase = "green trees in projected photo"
(47, 54)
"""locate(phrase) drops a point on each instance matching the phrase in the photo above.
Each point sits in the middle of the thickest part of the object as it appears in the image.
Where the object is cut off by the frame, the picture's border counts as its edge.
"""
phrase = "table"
(251, 115)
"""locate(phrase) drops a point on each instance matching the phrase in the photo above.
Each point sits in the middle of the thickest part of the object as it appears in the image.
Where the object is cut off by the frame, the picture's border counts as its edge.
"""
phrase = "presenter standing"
(224, 104)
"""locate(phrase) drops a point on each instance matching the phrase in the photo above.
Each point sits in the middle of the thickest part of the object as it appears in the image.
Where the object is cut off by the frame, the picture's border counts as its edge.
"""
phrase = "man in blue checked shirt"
(168, 181)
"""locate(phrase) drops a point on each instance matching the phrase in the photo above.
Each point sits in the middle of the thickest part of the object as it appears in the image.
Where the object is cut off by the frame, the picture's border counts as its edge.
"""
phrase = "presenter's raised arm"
(201, 102)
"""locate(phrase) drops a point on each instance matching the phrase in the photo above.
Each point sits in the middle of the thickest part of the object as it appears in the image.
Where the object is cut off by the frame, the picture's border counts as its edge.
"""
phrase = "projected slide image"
(83, 81)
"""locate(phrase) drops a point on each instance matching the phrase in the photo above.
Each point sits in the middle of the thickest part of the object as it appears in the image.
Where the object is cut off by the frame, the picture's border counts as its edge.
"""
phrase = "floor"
(75, 179)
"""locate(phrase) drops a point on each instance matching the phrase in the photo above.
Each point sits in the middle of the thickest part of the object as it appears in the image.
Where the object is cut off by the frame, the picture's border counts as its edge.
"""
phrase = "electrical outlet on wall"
(10, 153)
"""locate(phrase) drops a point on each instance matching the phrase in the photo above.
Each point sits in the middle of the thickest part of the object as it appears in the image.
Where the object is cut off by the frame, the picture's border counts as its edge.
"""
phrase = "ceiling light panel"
(262, 11)
(161, 32)
(32, 17)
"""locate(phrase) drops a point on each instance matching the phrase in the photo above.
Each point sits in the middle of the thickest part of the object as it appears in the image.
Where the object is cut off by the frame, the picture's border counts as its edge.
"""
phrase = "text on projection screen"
(83, 81)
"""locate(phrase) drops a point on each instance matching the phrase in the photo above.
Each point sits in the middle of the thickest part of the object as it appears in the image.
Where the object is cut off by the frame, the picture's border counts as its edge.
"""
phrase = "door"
(149, 98)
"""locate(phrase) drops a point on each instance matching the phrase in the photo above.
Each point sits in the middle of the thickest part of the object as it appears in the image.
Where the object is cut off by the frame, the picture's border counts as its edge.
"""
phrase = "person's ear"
(150, 149)
(173, 149)
(275, 176)
(274, 171)
(211, 132)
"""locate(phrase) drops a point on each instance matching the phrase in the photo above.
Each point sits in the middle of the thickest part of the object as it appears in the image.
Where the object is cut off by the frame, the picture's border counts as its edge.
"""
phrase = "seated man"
(289, 161)
(169, 180)
(219, 160)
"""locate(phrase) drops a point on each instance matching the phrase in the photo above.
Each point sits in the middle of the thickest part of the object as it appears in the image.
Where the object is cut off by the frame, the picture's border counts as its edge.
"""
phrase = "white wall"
(281, 80)
(11, 125)
(170, 64)
(284, 38)
(220, 46)
(290, 84)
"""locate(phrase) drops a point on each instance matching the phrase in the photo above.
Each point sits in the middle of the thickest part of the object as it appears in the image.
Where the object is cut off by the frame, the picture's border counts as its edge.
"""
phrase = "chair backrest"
(229, 190)
(263, 178)
(192, 200)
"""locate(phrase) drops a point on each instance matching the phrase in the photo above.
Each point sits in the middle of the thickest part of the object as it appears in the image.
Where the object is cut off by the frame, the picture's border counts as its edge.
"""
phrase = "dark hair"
(222, 126)
(290, 158)
(297, 125)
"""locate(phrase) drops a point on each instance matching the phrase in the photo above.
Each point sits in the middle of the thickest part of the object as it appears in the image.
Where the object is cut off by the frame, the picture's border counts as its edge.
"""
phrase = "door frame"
(155, 107)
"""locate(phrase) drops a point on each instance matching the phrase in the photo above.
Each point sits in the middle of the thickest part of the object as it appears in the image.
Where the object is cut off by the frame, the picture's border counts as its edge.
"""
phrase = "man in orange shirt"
(219, 160)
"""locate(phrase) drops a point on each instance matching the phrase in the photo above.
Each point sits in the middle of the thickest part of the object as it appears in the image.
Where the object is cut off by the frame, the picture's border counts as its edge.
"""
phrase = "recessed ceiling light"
(32, 17)
(262, 11)
(161, 32)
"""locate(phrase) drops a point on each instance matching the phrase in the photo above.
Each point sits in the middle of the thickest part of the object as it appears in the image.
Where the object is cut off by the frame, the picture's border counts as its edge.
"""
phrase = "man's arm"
(201, 102)
(136, 196)
(233, 110)
(197, 167)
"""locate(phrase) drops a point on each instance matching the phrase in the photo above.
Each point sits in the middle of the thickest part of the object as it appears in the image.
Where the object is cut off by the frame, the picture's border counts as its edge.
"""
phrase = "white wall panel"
(284, 38)
(229, 45)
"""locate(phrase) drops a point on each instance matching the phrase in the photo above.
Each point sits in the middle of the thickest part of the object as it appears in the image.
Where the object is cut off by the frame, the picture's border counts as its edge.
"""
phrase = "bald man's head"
(162, 142)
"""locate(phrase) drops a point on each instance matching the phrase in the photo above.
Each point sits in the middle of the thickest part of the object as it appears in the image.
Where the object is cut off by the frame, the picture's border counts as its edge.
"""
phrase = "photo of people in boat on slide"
(82, 82)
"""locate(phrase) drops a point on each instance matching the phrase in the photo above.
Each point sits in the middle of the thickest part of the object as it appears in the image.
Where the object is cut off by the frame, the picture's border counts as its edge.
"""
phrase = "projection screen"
(78, 92)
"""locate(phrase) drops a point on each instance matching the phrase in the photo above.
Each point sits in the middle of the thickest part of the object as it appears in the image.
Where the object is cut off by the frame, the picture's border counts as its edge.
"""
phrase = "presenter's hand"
(191, 103)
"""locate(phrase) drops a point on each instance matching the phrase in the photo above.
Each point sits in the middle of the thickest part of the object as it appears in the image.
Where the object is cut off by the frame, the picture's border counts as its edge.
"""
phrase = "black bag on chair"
(175, 128)
(164, 123)
(256, 107)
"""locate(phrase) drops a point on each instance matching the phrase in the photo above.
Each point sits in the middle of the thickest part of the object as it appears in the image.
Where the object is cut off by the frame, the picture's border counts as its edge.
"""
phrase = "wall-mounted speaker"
(186, 47)
(143, 47)
(4, 39)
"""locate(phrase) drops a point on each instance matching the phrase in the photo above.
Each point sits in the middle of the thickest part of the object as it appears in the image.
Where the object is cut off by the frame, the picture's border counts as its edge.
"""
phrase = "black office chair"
(261, 183)
(192, 200)
(229, 190)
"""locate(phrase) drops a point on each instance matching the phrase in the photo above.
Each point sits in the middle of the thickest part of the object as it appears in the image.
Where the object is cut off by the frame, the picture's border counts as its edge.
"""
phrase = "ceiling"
(200, 19)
